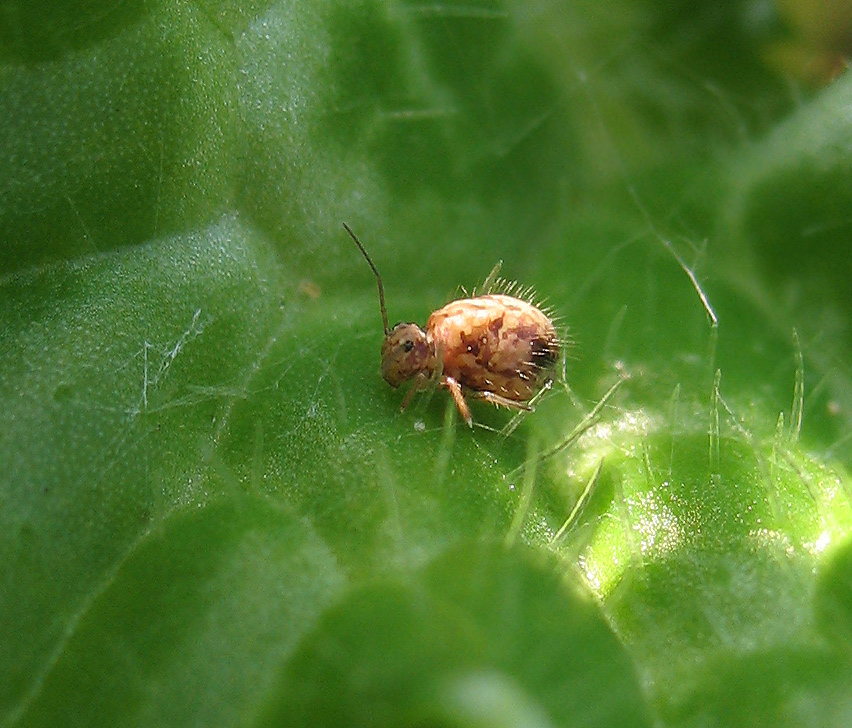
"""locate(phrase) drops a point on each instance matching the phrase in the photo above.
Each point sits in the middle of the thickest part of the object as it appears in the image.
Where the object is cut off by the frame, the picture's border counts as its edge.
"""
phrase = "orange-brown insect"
(494, 347)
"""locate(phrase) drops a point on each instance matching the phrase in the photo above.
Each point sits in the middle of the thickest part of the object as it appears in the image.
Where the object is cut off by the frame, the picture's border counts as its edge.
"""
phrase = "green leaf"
(211, 507)
(483, 636)
(834, 598)
(238, 584)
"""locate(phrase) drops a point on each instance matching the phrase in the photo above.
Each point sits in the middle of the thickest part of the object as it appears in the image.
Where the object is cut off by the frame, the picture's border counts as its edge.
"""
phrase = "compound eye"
(407, 346)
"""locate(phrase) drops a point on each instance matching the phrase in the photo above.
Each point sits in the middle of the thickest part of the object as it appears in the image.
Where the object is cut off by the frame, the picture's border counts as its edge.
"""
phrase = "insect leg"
(455, 390)
(436, 377)
(421, 381)
(499, 401)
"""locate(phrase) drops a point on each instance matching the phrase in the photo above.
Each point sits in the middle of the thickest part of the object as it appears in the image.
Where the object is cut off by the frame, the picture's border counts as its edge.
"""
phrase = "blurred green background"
(212, 511)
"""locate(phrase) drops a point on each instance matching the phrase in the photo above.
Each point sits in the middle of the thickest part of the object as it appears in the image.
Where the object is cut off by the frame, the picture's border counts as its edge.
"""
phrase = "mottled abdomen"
(495, 343)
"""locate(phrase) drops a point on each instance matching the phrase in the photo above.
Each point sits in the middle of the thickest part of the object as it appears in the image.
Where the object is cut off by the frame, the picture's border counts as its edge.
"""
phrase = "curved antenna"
(378, 278)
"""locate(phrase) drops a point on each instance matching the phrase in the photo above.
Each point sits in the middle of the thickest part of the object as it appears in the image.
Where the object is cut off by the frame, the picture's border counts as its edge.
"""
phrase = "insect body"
(494, 347)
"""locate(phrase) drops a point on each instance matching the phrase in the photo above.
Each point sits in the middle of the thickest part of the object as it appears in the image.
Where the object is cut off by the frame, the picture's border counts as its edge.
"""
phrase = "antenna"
(378, 278)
